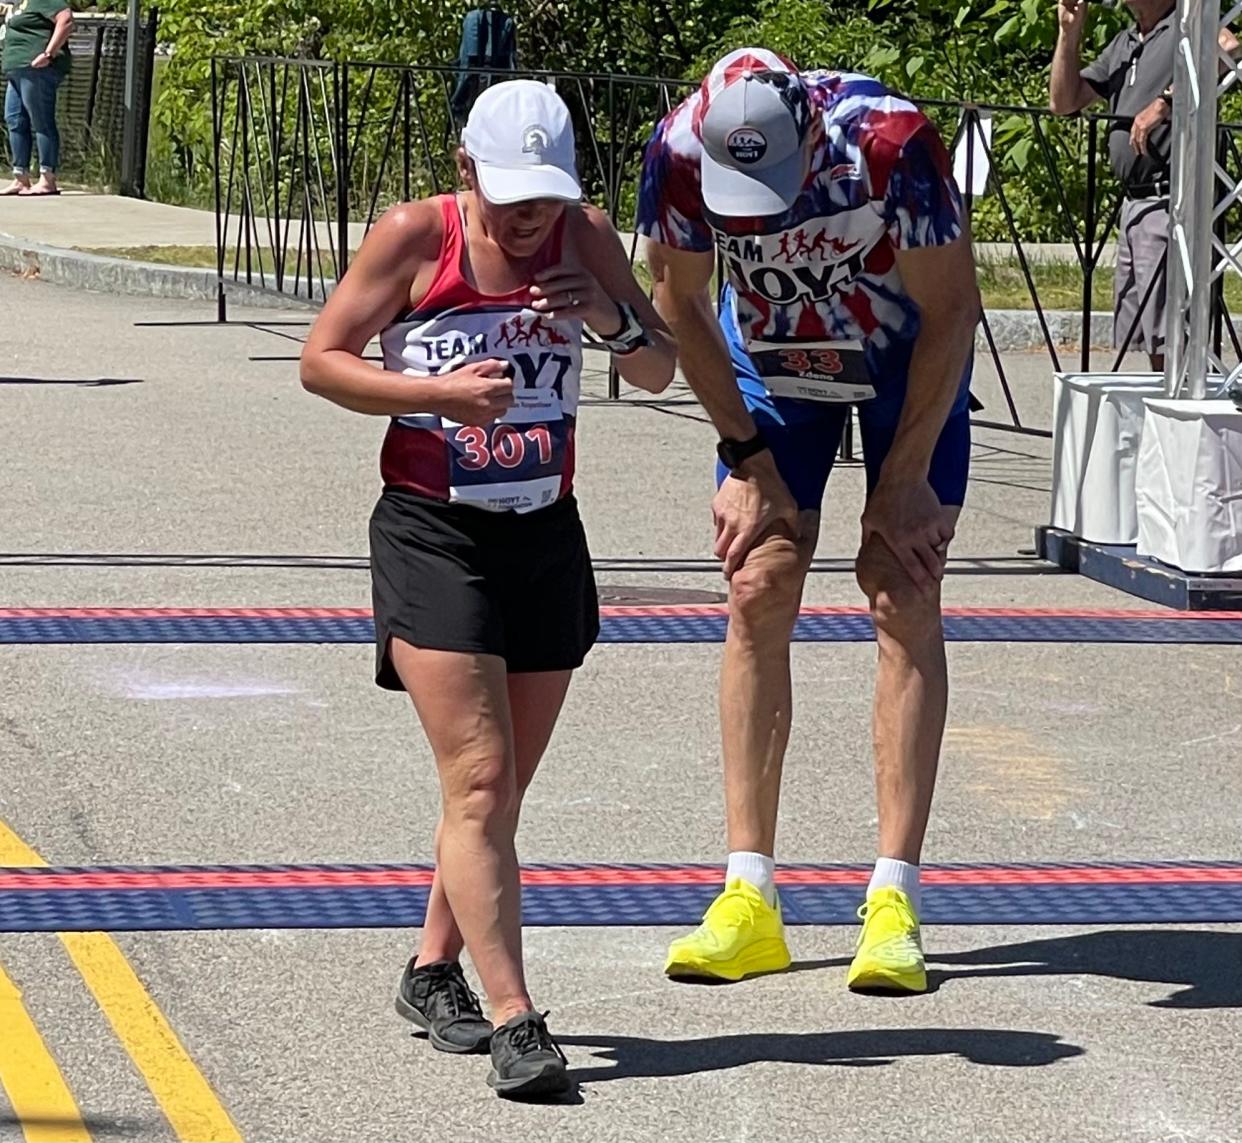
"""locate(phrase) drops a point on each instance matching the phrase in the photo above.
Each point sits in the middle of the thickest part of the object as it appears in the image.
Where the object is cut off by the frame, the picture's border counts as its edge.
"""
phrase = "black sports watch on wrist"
(630, 336)
(733, 453)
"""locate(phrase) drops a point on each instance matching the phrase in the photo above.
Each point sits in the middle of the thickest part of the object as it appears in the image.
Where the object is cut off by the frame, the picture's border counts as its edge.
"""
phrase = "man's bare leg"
(911, 701)
(911, 698)
(742, 933)
(756, 692)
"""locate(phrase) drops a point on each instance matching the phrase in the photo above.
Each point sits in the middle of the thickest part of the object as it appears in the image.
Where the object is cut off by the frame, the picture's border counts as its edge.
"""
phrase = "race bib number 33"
(813, 371)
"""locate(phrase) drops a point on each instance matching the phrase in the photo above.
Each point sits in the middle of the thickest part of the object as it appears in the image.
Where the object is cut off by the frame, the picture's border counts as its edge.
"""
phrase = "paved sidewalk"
(89, 221)
(84, 221)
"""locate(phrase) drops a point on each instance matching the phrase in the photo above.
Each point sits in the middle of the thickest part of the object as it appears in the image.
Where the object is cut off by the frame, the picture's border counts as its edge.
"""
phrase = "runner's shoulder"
(677, 134)
(869, 109)
(408, 232)
(591, 235)
(586, 222)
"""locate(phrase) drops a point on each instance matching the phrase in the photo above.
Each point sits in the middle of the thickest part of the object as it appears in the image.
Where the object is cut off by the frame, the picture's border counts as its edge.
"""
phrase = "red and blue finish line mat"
(654, 624)
(168, 898)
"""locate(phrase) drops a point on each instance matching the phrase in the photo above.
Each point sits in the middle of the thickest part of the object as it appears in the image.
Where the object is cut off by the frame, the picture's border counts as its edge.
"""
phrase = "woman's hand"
(475, 394)
(570, 292)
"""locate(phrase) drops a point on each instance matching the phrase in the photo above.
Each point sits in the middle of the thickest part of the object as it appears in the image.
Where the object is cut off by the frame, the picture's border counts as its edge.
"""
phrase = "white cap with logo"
(521, 139)
(754, 123)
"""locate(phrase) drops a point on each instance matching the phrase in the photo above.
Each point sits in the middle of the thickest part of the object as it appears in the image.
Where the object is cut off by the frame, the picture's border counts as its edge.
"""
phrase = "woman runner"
(484, 597)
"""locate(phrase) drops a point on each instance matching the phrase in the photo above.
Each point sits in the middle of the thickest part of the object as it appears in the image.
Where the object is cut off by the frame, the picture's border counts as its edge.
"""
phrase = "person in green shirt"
(35, 59)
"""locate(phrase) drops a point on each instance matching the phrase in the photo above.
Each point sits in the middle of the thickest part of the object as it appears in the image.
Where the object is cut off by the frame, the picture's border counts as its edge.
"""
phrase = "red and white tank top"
(524, 460)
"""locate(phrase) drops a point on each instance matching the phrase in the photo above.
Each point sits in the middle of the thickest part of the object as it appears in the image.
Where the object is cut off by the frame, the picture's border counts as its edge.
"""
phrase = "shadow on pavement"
(85, 382)
(1207, 964)
(56, 1127)
(633, 1057)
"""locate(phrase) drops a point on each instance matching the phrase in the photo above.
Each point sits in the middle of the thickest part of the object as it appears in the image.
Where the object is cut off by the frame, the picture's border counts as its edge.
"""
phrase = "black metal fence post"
(131, 102)
(222, 311)
(1088, 269)
(147, 80)
(341, 90)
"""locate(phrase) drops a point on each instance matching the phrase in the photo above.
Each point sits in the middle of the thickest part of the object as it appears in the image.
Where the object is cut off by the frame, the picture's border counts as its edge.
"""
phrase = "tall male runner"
(850, 283)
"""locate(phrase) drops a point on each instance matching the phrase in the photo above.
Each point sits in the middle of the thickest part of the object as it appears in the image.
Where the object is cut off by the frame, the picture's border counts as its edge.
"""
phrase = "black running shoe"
(526, 1061)
(437, 998)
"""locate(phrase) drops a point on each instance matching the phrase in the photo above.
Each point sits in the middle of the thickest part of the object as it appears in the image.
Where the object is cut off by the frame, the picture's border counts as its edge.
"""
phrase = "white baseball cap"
(521, 139)
(755, 118)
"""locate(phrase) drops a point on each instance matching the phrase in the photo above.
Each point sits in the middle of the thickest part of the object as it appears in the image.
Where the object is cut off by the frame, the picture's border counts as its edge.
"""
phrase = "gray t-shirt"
(1130, 73)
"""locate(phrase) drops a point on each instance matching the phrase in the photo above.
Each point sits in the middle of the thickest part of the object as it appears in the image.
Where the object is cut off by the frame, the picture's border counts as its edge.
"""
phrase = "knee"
(899, 609)
(481, 793)
(767, 589)
(42, 122)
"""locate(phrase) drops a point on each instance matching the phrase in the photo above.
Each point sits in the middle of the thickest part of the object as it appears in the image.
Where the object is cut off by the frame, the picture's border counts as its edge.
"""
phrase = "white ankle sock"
(890, 873)
(757, 869)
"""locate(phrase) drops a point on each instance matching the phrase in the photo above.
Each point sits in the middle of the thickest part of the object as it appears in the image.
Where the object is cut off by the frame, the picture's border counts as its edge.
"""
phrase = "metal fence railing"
(309, 153)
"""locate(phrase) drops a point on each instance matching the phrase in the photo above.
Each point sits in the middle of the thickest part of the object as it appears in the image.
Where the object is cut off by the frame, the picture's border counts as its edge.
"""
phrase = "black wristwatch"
(733, 453)
(630, 336)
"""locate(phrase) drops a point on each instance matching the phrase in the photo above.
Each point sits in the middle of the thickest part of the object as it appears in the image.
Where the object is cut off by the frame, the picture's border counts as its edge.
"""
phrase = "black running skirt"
(449, 577)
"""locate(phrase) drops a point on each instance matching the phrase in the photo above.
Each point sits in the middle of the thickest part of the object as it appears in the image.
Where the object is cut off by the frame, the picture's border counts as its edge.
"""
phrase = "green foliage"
(982, 51)
(986, 51)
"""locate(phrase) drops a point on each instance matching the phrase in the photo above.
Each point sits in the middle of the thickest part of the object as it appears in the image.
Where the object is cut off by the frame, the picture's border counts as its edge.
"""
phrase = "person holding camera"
(1134, 74)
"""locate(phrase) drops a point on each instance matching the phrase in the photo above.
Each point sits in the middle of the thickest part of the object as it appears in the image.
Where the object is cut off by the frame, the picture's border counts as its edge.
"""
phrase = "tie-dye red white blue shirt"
(880, 181)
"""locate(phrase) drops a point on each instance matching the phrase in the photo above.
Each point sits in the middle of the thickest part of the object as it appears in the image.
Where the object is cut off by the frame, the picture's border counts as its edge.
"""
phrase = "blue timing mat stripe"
(620, 629)
(29, 911)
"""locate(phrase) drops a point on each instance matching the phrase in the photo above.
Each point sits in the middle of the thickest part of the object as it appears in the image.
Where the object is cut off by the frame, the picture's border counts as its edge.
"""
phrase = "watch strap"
(733, 453)
(630, 337)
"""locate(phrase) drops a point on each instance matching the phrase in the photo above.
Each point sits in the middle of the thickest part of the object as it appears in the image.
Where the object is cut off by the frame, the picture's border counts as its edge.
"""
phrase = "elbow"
(310, 374)
(954, 323)
(972, 310)
(662, 378)
(657, 375)
(967, 318)
(1061, 102)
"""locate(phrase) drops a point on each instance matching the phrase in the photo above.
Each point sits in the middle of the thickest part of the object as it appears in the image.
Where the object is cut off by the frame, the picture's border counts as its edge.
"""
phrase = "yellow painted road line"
(184, 1095)
(40, 1098)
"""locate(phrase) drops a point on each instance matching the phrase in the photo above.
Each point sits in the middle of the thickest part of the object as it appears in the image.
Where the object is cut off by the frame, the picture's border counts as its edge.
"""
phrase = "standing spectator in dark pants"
(1135, 74)
(35, 61)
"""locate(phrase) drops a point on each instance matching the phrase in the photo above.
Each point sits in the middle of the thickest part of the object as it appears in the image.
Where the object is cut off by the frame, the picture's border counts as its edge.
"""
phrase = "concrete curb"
(125, 276)
(1012, 330)
(1018, 330)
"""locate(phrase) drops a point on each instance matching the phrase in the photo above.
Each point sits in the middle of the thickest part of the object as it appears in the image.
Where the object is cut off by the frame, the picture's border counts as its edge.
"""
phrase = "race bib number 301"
(813, 371)
(507, 466)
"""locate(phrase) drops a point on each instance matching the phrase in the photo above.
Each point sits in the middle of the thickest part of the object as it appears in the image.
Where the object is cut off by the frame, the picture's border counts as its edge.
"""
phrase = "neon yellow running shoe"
(741, 935)
(889, 954)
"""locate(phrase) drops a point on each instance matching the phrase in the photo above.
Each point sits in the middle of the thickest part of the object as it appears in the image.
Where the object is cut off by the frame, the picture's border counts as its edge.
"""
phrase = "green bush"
(987, 51)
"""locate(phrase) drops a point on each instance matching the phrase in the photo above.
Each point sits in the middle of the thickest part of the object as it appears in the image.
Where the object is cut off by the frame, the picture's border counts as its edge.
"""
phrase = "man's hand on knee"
(914, 526)
(748, 506)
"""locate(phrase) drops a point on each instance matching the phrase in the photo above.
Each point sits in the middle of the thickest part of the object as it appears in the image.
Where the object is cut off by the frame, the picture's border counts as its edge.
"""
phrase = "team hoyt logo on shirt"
(808, 262)
(545, 365)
